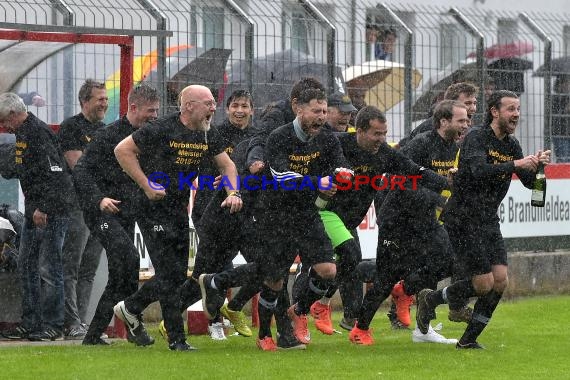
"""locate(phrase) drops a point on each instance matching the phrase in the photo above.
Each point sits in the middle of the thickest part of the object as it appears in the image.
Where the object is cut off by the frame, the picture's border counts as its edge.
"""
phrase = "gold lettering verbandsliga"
(185, 145)
(499, 156)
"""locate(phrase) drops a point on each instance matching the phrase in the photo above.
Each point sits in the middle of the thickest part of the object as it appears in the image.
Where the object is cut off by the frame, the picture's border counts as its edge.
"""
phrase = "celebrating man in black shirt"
(489, 157)
(163, 158)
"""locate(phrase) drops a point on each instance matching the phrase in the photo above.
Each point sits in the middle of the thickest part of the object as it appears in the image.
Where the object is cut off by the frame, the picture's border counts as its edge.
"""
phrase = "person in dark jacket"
(49, 196)
(109, 200)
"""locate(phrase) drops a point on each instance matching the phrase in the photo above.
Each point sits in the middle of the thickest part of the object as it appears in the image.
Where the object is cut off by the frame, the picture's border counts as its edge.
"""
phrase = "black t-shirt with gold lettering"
(412, 210)
(231, 137)
(176, 152)
(486, 165)
(296, 166)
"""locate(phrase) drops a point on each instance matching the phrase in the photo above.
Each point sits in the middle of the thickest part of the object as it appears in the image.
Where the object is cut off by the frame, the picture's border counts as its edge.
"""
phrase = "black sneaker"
(424, 313)
(17, 332)
(347, 323)
(469, 346)
(181, 346)
(46, 335)
(289, 342)
(212, 300)
(139, 336)
(95, 342)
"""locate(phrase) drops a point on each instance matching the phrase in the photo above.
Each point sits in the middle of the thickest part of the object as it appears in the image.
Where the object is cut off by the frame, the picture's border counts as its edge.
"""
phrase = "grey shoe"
(75, 333)
(424, 313)
(139, 336)
(460, 315)
(347, 323)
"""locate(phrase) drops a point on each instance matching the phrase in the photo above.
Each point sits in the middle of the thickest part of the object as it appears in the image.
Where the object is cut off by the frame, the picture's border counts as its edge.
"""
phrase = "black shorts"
(285, 237)
(478, 247)
(403, 254)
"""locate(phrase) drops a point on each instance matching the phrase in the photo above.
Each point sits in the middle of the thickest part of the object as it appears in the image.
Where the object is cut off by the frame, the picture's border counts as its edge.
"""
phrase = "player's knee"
(326, 271)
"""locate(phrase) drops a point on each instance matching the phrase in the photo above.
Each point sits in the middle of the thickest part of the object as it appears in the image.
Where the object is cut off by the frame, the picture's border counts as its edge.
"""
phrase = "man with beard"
(81, 251)
(489, 156)
(163, 158)
(301, 157)
(215, 251)
(109, 199)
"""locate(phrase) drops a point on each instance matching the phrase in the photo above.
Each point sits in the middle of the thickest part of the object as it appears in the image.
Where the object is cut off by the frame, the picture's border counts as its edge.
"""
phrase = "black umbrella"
(193, 65)
(560, 66)
(275, 74)
(508, 73)
(435, 87)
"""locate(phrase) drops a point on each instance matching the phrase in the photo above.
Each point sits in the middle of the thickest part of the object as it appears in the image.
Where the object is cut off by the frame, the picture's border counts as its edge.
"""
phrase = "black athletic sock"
(372, 301)
(189, 294)
(455, 294)
(317, 288)
(300, 283)
(243, 295)
(281, 319)
(268, 300)
(482, 312)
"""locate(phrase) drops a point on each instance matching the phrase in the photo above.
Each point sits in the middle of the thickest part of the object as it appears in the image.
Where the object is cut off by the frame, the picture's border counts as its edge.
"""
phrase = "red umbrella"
(513, 49)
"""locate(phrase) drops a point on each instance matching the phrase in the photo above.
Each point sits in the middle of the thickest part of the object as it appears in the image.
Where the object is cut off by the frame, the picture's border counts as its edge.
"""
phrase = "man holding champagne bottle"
(488, 158)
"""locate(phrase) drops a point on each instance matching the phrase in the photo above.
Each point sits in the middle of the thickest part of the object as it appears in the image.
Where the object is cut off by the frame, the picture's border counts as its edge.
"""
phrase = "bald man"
(163, 158)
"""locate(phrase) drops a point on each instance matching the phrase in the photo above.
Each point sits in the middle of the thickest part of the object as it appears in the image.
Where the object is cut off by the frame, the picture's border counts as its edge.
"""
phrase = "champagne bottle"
(322, 199)
(539, 188)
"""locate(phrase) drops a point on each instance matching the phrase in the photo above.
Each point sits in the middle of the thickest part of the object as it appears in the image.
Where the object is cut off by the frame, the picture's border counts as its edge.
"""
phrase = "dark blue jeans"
(41, 273)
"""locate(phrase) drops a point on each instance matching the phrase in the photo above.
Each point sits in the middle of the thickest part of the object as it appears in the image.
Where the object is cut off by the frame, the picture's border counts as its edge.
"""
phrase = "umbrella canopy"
(185, 65)
(510, 50)
(194, 66)
(274, 75)
(508, 73)
(560, 66)
(382, 81)
(434, 88)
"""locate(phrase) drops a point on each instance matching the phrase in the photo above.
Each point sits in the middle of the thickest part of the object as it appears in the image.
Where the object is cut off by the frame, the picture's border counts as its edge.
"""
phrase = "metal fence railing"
(271, 43)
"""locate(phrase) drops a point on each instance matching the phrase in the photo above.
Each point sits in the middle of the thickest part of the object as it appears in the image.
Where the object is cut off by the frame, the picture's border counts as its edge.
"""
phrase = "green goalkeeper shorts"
(335, 228)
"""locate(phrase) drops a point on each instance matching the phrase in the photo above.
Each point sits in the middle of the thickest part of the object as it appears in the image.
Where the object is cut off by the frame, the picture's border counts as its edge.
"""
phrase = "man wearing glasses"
(163, 158)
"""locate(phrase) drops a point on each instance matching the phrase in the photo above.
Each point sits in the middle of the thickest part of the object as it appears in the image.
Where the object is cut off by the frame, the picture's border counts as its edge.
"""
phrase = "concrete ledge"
(533, 273)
